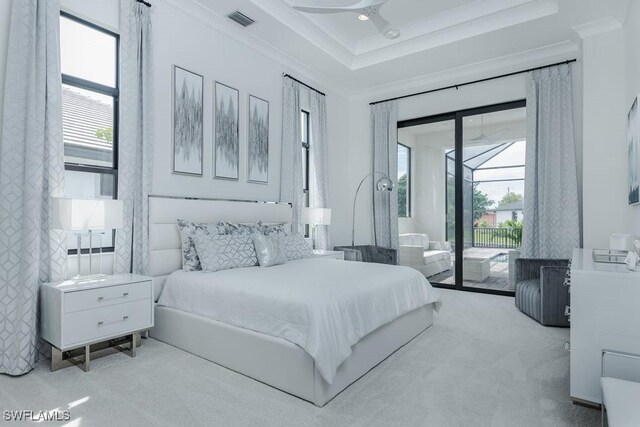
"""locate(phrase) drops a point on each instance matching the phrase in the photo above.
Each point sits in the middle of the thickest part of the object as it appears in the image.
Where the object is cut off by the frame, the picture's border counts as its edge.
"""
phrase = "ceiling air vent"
(240, 18)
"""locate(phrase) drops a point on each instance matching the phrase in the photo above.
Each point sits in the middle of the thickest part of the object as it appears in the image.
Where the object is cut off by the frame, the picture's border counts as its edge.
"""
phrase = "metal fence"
(490, 237)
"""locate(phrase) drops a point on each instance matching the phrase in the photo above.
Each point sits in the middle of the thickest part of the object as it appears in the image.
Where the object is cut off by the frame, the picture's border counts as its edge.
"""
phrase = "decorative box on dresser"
(81, 315)
(605, 314)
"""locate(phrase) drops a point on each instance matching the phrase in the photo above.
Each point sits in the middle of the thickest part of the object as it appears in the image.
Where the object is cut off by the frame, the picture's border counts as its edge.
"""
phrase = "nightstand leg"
(56, 359)
(132, 346)
(87, 358)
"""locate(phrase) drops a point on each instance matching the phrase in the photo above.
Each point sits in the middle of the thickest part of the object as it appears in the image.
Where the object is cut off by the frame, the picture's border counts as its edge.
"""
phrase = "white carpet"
(482, 363)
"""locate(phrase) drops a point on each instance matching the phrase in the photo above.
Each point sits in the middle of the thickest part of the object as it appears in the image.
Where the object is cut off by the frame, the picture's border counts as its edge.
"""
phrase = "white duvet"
(323, 305)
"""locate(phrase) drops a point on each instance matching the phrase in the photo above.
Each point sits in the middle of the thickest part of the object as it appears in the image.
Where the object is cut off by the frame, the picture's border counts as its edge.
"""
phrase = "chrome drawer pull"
(101, 322)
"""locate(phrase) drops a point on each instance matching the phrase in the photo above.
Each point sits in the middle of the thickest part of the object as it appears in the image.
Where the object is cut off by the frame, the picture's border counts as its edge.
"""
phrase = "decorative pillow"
(224, 252)
(297, 247)
(188, 230)
(275, 228)
(269, 249)
(234, 229)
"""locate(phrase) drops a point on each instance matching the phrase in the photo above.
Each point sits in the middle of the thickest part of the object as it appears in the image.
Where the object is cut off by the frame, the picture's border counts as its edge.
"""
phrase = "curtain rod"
(144, 3)
(458, 86)
(303, 83)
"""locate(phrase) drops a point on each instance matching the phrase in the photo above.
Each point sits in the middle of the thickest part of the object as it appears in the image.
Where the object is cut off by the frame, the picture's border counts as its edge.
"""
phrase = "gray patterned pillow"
(224, 252)
(235, 229)
(296, 247)
(269, 249)
(188, 230)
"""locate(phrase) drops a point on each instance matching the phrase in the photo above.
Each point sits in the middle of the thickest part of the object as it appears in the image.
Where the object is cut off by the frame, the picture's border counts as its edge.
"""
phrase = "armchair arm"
(529, 268)
(350, 254)
(440, 246)
(554, 295)
(411, 256)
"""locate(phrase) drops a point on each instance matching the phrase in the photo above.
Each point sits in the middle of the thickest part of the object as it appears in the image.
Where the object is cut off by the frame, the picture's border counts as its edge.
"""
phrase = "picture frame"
(633, 151)
(226, 147)
(188, 122)
(257, 140)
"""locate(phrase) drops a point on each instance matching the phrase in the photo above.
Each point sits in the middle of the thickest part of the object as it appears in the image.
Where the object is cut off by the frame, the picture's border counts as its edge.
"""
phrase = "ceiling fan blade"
(358, 7)
(384, 26)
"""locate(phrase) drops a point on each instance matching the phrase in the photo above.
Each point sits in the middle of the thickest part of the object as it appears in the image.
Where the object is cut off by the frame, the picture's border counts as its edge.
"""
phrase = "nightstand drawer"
(95, 298)
(102, 323)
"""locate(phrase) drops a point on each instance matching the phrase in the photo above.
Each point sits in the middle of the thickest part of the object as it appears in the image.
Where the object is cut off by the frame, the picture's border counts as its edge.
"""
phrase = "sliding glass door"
(426, 194)
(467, 181)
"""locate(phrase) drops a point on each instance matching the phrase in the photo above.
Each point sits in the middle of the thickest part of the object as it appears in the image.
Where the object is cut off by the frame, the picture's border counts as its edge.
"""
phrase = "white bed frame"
(273, 361)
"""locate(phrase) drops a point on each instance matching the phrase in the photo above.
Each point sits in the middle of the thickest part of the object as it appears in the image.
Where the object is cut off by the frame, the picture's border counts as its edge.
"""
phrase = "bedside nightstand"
(82, 315)
(329, 254)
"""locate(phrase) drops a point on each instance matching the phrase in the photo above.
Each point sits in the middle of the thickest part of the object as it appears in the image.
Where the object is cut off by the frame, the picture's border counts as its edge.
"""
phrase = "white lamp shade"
(86, 214)
(316, 216)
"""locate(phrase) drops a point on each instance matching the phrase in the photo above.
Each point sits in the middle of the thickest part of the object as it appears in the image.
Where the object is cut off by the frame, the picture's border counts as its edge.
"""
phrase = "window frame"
(306, 183)
(113, 92)
(409, 179)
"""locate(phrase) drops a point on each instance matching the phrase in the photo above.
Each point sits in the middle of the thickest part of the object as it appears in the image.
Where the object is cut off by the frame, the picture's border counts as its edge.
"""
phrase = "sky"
(87, 53)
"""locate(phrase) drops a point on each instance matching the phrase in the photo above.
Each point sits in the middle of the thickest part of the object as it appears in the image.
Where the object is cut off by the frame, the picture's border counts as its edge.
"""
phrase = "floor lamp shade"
(87, 214)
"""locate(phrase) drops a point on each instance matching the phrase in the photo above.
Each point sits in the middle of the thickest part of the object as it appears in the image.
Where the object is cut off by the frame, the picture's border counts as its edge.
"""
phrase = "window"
(404, 181)
(89, 63)
(304, 118)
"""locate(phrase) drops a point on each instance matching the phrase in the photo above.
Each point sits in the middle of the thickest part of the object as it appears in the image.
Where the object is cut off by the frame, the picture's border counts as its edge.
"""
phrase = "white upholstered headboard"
(165, 254)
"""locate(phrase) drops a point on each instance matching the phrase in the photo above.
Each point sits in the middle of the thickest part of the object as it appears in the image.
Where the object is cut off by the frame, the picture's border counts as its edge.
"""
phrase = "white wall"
(632, 66)
(605, 153)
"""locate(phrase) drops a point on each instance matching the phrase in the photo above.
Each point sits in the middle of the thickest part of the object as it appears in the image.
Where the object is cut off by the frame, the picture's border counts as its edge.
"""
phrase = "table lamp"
(84, 216)
(315, 217)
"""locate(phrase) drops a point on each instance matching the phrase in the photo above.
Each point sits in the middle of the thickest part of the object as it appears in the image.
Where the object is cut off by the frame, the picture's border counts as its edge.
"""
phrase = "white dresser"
(80, 312)
(605, 313)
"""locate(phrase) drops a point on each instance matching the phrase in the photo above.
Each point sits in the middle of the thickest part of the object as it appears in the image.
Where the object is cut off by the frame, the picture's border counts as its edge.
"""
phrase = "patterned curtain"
(31, 173)
(319, 164)
(384, 121)
(291, 165)
(551, 221)
(135, 149)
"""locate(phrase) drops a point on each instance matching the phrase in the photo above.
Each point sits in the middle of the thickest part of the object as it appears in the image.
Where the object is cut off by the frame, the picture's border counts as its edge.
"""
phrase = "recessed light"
(392, 33)
(363, 17)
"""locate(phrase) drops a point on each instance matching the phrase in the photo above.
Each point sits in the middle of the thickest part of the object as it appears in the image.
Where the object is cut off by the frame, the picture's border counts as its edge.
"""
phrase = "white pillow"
(224, 252)
(297, 247)
(269, 249)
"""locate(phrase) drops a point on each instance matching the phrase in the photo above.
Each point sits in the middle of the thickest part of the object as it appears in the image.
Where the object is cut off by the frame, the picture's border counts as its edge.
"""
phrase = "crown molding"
(472, 19)
(199, 12)
(488, 16)
(504, 64)
(337, 48)
(595, 28)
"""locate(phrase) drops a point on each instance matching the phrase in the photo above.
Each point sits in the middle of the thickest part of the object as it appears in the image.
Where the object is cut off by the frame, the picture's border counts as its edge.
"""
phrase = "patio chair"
(369, 253)
(540, 290)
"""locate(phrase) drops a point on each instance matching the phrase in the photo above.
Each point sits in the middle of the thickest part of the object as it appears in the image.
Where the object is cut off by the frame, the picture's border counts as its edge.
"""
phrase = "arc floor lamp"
(384, 184)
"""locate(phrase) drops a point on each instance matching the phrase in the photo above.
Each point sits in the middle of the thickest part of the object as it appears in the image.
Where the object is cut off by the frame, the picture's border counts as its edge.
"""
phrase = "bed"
(228, 318)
